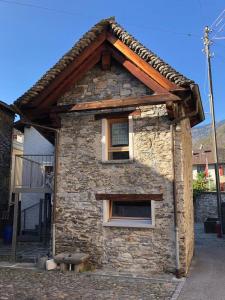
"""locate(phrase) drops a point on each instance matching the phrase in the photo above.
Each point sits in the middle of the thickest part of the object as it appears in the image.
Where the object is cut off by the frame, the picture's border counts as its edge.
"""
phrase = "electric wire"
(76, 14)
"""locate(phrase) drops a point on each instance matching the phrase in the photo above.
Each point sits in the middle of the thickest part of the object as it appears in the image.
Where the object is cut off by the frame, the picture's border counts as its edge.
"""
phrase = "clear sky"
(34, 38)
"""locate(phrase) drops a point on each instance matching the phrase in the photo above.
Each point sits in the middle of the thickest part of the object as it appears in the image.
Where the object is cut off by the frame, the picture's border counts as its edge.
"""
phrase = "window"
(130, 209)
(129, 213)
(200, 169)
(117, 138)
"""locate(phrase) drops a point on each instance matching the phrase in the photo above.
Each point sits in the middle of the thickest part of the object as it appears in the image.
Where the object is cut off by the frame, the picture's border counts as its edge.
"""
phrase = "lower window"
(130, 210)
(129, 213)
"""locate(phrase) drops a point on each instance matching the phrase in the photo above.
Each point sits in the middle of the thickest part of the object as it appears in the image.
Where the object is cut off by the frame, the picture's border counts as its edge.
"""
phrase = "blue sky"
(33, 39)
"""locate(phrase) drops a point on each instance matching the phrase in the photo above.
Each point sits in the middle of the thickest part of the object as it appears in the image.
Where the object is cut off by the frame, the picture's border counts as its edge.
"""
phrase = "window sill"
(117, 161)
(129, 223)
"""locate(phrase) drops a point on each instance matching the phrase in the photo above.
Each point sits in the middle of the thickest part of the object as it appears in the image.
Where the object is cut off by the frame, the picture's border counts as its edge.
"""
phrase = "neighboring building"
(17, 149)
(112, 101)
(36, 150)
(203, 161)
(6, 130)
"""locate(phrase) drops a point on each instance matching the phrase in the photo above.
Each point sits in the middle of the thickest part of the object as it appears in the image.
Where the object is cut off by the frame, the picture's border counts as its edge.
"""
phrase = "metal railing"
(34, 171)
(29, 211)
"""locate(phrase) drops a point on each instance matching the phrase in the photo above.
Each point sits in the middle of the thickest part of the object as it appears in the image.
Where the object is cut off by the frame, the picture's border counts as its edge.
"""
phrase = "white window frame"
(105, 138)
(123, 222)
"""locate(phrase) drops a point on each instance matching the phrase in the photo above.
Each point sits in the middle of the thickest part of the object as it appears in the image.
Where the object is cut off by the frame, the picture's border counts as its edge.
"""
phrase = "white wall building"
(37, 149)
(203, 161)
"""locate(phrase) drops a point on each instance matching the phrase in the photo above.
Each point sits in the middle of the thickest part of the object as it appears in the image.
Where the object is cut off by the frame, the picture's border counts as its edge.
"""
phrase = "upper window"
(118, 139)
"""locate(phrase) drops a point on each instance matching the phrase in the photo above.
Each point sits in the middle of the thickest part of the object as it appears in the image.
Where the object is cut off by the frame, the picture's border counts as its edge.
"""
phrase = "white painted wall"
(210, 170)
(34, 143)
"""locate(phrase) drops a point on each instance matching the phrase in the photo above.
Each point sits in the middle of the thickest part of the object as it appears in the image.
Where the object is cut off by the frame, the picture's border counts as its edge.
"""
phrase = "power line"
(41, 7)
(218, 20)
(217, 27)
(73, 14)
(168, 31)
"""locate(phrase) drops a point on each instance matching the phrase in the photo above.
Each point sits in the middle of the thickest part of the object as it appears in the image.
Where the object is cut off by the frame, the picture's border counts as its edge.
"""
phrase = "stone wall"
(205, 206)
(79, 223)
(6, 127)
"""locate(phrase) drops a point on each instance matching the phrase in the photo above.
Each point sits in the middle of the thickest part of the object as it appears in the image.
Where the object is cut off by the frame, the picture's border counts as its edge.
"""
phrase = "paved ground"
(206, 280)
(28, 252)
(17, 284)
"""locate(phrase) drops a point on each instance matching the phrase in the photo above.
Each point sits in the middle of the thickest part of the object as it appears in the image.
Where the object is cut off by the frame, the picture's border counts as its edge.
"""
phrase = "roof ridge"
(150, 57)
(110, 24)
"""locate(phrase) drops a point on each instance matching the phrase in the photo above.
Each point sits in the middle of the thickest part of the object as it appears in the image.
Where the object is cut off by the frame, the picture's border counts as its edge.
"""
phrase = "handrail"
(36, 204)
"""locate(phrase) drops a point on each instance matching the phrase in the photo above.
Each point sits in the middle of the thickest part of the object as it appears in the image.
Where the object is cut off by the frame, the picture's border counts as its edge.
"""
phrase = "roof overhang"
(106, 41)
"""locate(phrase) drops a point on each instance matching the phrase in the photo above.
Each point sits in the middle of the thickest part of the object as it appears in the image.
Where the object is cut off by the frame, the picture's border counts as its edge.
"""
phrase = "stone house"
(122, 119)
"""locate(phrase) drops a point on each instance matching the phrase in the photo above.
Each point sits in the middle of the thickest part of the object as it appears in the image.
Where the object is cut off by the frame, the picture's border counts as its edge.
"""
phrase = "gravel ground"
(20, 284)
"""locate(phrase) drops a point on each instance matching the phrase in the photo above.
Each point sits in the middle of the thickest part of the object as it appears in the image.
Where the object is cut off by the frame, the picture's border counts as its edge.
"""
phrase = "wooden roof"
(112, 26)
(107, 38)
(7, 108)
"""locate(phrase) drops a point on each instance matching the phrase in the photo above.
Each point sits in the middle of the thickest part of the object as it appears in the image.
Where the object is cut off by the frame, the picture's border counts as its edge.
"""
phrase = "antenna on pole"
(207, 44)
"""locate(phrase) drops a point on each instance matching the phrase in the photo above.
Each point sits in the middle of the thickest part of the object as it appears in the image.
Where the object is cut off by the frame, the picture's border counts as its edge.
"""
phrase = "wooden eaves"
(118, 103)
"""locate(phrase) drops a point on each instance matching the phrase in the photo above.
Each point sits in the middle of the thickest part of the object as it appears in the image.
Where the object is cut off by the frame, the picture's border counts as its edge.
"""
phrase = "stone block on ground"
(72, 261)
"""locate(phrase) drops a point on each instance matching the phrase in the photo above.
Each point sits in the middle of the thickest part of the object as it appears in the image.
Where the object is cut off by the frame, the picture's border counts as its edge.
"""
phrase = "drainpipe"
(176, 229)
(55, 189)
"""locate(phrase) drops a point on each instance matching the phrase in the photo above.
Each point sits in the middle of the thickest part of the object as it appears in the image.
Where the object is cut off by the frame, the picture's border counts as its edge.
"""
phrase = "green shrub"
(200, 184)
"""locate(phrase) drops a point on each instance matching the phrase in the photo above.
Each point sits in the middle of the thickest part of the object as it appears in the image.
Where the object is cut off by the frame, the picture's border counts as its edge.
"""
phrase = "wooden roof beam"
(137, 72)
(70, 69)
(90, 62)
(116, 103)
(143, 65)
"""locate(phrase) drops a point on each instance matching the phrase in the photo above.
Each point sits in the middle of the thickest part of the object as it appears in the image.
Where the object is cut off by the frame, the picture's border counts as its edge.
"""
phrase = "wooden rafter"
(77, 74)
(106, 60)
(143, 65)
(137, 72)
(70, 69)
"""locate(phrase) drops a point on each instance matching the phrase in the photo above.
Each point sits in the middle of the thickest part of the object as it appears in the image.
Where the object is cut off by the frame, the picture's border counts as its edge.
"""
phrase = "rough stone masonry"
(82, 174)
(6, 128)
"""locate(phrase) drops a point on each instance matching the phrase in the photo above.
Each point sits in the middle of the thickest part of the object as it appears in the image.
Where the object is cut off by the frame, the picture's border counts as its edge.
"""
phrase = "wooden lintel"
(137, 72)
(112, 115)
(69, 69)
(116, 103)
(106, 60)
(130, 197)
(143, 65)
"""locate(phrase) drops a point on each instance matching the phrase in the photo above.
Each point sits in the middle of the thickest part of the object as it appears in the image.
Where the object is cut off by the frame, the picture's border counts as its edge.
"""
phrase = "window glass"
(119, 155)
(200, 169)
(119, 134)
(131, 209)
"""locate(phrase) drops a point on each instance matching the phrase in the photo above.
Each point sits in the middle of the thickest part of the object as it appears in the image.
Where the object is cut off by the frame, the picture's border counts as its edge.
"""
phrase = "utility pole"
(207, 44)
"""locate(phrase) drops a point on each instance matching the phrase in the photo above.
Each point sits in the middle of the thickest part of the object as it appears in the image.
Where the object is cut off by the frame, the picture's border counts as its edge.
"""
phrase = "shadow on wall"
(82, 174)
